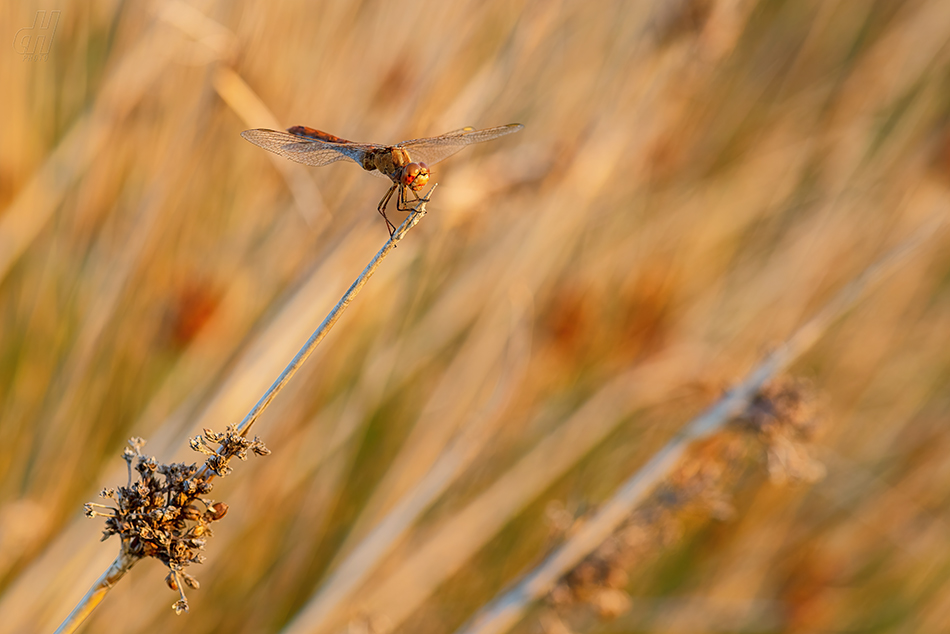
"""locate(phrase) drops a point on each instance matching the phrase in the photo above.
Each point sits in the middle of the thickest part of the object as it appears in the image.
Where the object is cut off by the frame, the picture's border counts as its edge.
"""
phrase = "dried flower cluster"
(782, 418)
(163, 514)
(783, 415)
(695, 492)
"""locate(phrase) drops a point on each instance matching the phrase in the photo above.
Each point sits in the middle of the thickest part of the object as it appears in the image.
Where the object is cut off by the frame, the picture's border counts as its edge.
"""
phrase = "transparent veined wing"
(308, 150)
(434, 149)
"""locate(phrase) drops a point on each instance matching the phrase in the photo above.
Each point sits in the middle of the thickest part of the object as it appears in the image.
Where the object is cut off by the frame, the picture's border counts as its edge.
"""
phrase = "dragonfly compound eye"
(416, 176)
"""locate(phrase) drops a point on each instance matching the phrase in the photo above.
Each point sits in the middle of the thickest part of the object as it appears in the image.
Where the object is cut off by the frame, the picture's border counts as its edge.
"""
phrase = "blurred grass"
(695, 179)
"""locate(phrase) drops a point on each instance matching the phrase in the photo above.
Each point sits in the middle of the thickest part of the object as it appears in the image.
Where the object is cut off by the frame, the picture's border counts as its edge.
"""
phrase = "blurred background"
(694, 180)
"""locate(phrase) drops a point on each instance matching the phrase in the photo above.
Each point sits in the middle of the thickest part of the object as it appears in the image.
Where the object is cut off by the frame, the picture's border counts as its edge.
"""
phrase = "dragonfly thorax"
(390, 161)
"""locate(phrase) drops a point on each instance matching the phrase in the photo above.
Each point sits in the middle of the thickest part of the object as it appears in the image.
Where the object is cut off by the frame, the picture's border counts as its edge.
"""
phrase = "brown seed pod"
(216, 512)
(190, 513)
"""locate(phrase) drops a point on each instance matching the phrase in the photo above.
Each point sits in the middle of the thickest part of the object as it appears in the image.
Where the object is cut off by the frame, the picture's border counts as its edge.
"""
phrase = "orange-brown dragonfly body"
(406, 164)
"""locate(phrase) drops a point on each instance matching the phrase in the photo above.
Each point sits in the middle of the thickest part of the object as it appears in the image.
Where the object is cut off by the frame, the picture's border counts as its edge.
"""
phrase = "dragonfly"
(406, 164)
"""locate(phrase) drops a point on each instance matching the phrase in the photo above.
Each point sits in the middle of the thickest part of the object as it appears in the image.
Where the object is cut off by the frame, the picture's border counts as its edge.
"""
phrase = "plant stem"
(124, 562)
(333, 316)
(506, 610)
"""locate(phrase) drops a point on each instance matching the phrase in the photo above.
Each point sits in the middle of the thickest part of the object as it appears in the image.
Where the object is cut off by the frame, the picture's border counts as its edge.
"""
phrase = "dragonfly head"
(415, 176)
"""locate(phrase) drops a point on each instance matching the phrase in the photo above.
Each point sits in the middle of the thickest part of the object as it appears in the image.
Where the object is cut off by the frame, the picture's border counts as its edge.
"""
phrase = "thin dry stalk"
(334, 315)
(32, 208)
(505, 611)
(370, 551)
(122, 564)
(125, 560)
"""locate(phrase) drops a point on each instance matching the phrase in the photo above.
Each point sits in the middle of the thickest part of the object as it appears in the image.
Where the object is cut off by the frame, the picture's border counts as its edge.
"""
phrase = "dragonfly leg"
(404, 205)
(381, 208)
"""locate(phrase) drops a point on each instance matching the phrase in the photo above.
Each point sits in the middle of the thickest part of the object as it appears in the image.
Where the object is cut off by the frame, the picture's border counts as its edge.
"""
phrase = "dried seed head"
(157, 514)
(781, 417)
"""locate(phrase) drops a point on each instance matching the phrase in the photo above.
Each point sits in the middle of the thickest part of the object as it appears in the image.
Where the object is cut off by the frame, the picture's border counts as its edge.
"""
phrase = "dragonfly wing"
(435, 149)
(302, 149)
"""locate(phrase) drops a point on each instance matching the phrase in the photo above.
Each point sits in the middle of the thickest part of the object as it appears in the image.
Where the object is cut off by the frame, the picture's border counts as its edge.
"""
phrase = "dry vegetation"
(695, 179)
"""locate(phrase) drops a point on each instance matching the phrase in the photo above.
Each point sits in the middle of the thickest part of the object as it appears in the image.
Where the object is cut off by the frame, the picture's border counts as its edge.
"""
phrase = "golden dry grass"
(695, 179)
